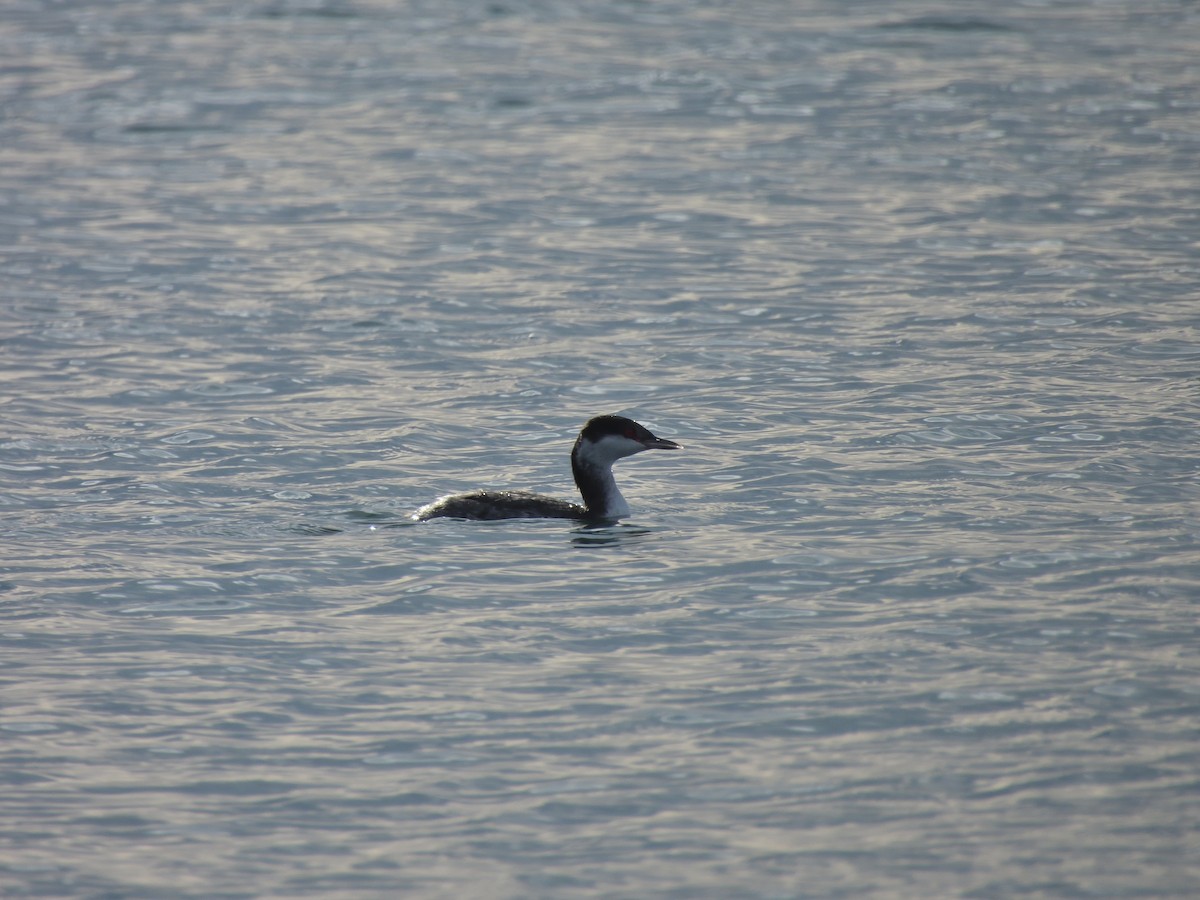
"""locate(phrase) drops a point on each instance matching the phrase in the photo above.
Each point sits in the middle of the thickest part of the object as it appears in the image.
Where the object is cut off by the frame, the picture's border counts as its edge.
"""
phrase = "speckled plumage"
(500, 505)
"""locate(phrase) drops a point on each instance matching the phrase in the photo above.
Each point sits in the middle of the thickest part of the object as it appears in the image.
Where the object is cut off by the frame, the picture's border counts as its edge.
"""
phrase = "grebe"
(603, 441)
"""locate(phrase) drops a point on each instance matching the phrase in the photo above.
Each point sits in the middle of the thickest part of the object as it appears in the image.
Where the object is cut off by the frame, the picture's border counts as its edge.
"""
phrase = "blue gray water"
(915, 612)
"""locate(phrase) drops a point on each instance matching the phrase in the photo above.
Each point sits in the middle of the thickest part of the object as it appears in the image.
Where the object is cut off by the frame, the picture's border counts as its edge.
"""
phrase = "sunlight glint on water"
(912, 614)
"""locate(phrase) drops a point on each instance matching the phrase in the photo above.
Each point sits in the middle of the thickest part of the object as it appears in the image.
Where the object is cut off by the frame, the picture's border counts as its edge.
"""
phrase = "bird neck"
(599, 489)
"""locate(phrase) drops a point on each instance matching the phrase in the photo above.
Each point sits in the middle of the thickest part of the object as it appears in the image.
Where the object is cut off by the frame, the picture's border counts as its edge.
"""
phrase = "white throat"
(613, 504)
(593, 474)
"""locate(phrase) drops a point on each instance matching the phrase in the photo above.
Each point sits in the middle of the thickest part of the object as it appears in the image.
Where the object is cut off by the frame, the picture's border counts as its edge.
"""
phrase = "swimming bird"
(603, 441)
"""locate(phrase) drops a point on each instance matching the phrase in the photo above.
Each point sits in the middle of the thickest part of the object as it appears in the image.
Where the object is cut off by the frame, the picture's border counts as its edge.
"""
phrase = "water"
(913, 614)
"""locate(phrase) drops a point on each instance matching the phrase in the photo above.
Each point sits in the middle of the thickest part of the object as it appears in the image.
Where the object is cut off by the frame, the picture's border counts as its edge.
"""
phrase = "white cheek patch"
(612, 447)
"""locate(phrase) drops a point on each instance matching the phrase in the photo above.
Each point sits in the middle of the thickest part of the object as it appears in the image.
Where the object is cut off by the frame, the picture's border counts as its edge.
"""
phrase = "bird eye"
(630, 433)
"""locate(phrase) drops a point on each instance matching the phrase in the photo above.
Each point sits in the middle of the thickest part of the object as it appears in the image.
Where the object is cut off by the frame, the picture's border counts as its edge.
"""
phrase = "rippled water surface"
(913, 614)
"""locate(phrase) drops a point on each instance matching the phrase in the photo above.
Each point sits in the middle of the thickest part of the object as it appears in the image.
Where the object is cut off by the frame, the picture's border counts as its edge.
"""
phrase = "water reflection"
(600, 535)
